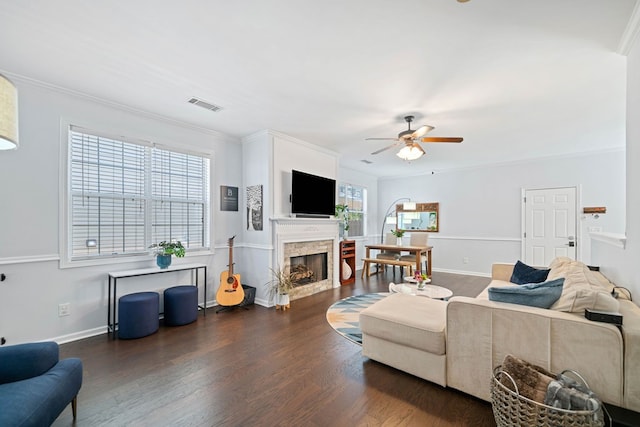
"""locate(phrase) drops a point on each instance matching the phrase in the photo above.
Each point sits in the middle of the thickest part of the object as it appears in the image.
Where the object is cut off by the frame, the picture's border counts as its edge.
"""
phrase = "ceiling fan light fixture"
(409, 153)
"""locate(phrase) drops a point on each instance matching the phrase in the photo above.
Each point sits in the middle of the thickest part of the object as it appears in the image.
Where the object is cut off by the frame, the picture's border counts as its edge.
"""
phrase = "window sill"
(126, 260)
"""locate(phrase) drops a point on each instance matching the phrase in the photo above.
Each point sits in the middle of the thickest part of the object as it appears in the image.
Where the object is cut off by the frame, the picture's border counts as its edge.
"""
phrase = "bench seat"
(368, 261)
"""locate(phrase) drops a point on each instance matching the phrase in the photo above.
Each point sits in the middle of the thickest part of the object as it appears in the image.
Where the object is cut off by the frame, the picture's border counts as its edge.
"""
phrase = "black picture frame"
(228, 198)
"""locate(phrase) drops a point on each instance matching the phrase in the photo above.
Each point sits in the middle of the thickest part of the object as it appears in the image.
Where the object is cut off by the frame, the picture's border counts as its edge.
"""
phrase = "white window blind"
(125, 195)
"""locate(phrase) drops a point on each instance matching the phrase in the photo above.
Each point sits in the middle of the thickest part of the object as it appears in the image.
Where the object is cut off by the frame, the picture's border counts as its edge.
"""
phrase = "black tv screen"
(312, 195)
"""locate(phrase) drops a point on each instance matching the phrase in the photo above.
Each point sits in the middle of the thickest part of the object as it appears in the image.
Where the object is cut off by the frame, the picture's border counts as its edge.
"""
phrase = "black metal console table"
(114, 276)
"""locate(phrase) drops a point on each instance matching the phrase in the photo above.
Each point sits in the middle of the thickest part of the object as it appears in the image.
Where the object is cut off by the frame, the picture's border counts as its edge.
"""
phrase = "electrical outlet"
(465, 260)
(64, 309)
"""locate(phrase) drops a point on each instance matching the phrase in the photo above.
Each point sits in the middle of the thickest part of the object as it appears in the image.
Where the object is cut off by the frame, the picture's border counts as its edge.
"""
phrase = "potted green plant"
(164, 250)
(398, 233)
(343, 214)
(281, 283)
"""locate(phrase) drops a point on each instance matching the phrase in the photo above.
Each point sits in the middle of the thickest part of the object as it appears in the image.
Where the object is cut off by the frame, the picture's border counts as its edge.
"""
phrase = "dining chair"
(417, 239)
(389, 239)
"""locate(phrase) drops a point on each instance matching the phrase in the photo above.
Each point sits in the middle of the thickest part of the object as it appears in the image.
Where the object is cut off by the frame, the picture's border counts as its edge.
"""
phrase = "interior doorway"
(549, 225)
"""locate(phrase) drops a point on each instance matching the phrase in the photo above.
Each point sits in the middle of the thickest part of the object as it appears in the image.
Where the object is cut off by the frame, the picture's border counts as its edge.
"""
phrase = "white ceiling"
(515, 78)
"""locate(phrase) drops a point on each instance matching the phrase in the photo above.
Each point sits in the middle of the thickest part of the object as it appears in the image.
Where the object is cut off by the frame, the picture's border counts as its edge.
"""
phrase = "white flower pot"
(399, 241)
(282, 302)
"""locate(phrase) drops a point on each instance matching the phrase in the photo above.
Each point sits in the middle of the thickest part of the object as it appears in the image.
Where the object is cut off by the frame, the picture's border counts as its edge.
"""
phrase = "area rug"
(344, 315)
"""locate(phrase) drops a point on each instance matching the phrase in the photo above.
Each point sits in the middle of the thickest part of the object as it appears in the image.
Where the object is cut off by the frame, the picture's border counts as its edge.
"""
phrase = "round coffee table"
(430, 291)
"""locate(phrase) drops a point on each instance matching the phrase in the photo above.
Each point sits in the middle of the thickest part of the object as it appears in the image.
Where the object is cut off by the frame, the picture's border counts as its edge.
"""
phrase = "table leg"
(429, 262)
(204, 303)
(114, 307)
(418, 261)
(109, 325)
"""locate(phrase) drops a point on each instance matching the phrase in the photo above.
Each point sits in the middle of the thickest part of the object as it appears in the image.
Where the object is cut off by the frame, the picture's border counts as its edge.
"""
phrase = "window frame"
(363, 212)
(65, 198)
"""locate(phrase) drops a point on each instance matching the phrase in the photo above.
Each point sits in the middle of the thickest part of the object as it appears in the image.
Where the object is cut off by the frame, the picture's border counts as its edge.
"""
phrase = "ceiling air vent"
(205, 104)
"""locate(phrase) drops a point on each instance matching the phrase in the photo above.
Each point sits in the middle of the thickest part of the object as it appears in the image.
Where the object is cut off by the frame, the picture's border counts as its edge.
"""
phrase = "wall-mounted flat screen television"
(312, 195)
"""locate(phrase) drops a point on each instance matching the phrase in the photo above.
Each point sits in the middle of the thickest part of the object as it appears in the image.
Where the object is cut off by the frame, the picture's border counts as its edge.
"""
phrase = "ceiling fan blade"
(422, 130)
(441, 139)
(415, 144)
(384, 149)
(381, 139)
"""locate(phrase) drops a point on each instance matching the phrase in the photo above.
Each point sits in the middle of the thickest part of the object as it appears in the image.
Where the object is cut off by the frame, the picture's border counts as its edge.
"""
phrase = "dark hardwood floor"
(262, 367)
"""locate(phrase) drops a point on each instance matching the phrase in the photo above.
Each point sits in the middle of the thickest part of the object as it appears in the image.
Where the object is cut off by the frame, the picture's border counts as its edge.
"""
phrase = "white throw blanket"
(582, 288)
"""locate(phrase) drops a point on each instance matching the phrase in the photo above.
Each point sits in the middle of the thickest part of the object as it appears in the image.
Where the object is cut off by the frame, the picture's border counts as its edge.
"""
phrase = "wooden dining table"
(417, 250)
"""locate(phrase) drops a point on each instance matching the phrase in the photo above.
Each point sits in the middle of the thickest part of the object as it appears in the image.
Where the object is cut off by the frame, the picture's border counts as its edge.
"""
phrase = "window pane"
(116, 225)
(355, 198)
(179, 189)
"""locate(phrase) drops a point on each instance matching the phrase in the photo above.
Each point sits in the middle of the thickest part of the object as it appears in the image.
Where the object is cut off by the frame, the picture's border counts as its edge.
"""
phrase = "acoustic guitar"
(230, 291)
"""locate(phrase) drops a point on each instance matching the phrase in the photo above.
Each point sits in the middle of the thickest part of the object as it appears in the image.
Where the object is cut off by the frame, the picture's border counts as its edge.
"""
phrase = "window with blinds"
(125, 195)
(355, 197)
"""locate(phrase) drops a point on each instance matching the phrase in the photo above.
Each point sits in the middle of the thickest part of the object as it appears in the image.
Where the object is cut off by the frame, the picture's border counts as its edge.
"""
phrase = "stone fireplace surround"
(305, 236)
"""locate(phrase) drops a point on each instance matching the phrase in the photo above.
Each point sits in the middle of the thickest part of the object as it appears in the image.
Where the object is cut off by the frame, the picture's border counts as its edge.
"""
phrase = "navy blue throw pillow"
(523, 274)
(541, 295)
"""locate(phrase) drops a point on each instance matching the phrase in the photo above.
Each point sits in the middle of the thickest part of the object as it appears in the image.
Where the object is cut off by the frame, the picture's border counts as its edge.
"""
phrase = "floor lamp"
(384, 218)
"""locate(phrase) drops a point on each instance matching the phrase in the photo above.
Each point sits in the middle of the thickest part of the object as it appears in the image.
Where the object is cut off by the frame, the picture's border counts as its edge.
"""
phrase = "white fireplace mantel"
(291, 230)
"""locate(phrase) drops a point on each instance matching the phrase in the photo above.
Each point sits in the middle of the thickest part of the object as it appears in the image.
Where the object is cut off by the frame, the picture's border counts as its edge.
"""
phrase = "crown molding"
(630, 35)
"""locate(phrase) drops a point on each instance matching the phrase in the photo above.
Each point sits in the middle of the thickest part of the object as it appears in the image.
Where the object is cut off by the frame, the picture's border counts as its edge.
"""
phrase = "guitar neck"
(231, 256)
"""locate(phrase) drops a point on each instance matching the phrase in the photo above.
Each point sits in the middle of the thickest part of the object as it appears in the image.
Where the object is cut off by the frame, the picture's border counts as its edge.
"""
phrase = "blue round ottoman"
(138, 315)
(180, 305)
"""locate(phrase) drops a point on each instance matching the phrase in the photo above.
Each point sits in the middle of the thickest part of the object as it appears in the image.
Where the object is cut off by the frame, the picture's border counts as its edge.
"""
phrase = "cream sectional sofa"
(457, 343)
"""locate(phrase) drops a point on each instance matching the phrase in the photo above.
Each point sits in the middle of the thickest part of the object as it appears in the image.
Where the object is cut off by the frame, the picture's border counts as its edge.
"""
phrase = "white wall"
(290, 153)
(268, 158)
(621, 265)
(480, 209)
(29, 198)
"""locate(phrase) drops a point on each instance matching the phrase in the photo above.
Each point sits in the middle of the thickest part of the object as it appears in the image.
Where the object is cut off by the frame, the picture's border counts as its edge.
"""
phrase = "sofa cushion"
(541, 295)
(38, 401)
(524, 274)
(583, 288)
(414, 321)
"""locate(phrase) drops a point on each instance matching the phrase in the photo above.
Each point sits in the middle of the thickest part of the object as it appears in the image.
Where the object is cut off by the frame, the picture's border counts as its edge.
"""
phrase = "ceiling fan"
(409, 138)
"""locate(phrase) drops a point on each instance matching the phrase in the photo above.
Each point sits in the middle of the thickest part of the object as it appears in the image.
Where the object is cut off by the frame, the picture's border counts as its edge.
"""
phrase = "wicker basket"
(513, 410)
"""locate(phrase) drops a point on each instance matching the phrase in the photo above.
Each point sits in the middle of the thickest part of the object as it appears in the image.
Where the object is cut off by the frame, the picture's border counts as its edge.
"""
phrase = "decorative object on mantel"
(8, 114)
(281, 283)
(343, 214)
(164, 250)
(398, 233)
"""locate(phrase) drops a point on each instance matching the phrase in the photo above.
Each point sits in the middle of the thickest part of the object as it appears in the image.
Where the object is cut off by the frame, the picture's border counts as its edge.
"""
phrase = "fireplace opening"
(310, 268)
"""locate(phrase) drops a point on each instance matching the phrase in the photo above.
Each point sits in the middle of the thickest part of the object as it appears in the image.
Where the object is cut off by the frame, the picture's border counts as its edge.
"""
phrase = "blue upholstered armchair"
(35, 386)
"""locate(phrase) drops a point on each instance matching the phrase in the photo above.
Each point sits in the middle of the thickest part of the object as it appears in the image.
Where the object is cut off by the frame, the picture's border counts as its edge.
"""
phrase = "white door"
(549, 225)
